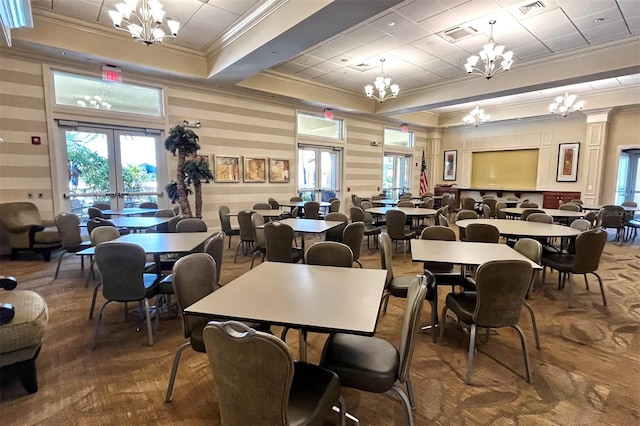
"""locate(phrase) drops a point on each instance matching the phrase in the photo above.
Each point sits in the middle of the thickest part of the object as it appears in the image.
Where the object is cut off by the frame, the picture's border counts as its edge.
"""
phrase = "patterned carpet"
(586, 373)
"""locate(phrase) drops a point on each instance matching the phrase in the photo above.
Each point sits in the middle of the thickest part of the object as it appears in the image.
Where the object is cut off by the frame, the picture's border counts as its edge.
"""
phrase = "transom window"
(398, 138)
(317, 126)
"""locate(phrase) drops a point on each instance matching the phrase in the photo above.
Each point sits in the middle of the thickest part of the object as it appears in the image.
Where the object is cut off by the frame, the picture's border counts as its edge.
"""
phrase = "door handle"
(110, 194)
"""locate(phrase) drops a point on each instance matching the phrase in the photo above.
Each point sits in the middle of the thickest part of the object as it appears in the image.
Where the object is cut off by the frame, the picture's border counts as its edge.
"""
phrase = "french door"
(395, 174)
(628, 188)
(319, 172)
(118, 167)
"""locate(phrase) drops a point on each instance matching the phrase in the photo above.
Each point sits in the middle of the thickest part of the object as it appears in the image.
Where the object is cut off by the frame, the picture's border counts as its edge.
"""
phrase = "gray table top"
(265, 213)
(313, 226)
(300, 204)
(390, 202)
(408, 210)
(160, 242)
(317, 298)
(517, 211)
(522, 228)
(626, 208)
(136, 222)
(129, 211)
(463, 252)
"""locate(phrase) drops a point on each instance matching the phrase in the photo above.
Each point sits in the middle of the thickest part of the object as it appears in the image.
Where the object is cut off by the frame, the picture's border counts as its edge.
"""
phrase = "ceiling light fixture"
(490, 55)
(476, 117)
(383, 85)
(565, 104)
(143, 24)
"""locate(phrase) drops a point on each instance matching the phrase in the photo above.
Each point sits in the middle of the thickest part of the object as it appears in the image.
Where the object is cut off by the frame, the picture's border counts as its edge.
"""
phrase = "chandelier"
(383, 85)
(93, 102)
(143, 24)
(476, 117)
(490, 55)
(564, 104)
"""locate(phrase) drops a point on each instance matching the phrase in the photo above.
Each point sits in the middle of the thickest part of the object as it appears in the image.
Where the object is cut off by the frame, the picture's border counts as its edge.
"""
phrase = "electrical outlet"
(29, 195)
(40, 195)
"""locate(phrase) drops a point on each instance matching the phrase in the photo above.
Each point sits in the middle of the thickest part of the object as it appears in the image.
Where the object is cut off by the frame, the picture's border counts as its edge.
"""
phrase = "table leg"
(302, 342)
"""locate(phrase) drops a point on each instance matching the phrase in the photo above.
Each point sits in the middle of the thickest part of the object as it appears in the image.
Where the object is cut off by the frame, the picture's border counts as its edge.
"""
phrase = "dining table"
(599, 207)
(265, 213)
(136, 223)
(159, 243)
(463, 253)
(394, 202)
(555, 213)
(300, 204)
(311, 298)
(129, 211)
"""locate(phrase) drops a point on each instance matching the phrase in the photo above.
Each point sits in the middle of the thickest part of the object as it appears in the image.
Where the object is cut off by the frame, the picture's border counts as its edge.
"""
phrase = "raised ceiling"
(323, 52)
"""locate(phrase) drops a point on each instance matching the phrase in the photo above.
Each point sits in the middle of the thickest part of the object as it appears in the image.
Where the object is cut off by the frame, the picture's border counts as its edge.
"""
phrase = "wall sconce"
(328, 114)
(188, 124)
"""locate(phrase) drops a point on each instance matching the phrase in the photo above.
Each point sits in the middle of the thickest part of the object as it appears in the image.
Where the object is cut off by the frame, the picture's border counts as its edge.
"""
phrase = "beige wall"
(623, 133)
(231, 125)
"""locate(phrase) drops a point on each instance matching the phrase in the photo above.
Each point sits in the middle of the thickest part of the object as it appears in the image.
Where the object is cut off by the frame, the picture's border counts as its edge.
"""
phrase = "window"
(319, 172)
(398, 138)
(95, 94)
(319, 127)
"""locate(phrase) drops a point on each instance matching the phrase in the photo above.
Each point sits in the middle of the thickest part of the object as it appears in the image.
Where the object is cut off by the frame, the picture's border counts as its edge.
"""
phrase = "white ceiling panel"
(566, 42)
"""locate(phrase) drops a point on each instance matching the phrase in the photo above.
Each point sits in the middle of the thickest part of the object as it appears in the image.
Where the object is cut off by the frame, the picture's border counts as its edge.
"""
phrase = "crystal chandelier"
(93, 102)
(476, 117)
(490, 55)
(143, 24)
(383, 85)
(564, 104)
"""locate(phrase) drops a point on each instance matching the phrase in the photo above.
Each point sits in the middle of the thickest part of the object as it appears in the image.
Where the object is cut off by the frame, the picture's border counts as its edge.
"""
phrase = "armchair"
(26, 231)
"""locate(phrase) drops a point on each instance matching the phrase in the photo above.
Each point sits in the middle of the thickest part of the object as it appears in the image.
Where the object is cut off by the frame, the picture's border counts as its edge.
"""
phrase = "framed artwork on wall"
(450, 165)
(278, 170)
(227, 168)
(254, 169)
(568, 162)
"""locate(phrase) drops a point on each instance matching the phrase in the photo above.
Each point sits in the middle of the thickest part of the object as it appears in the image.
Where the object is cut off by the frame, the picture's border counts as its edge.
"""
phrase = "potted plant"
(183, 143)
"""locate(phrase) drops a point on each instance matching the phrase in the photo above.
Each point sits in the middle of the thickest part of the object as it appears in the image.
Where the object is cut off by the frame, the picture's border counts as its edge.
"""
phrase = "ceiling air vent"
(532, 7)
(455, 34)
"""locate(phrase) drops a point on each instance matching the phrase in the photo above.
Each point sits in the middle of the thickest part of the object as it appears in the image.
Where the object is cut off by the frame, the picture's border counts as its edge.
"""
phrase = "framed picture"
(255, 169)
(568, 162)
(227, 168)
(278, 170)
(450, 165)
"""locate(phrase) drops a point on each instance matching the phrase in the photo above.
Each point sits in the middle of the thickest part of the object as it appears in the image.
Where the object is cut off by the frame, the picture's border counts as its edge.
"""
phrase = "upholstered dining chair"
(570, 207)
(586, 259)
(532, 250)
(262, 206)
(195, 276)
(397, 284)
(613, 217)
(225, 223)
(191, 224)
(482, 233)
(428, 203)
(99, 235)
(298, 393)
(501, 289)
(465, 214)
(172, 225)
(335, 233)
(279, 239)
(94, 212)
(406, 203)
(247, 233)
(329, 253)
(491, 202)
(540, 218)
(69, 228)
(528, 205)
(334, 206)
(214, 247)
(528, 211)
(121, 267)
(311, 210)
(372, 364)
(97, 222)
(275, 205)
(295, 199)
(102, 206)
(445, 273)
(352, 236)
(370, 230)
(260, 245)
(468, 203)
(148, 205)
(396, 221)
(499, 213)
(168, 213)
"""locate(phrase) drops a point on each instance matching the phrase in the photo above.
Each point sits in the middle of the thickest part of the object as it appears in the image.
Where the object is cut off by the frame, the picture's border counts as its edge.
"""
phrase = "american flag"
(424, 181)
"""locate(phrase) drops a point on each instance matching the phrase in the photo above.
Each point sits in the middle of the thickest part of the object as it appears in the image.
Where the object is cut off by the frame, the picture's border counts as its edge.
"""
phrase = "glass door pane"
(395, 174)
(318, 173)
(114, 167)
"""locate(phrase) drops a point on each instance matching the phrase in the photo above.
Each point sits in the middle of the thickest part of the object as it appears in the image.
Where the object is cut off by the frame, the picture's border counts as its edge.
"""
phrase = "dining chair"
(148, 205)
(353, 235)
(332, 199)
(373, 364)
(442, 220)
(121, 268)
(468, 203)
(260, 245)
(482, 233)
(532, 250)
(298, 393)
(279, 238)
(406, 203)
(192, 224)
(98, 221)
(527, 211)
(370, 230)
(396, 222)
(511, 198)
(163, 227)
(311, 210)
(335, 233)
(591, 217)
(102, 206)
(428, 203)
(398, 284)
(225, 223)
(491, 202)
(405, 197)
(99, 235)
(445, 273)
(499, 213)
(613, 217)
(334, 206)
(528, 205)
(172, 225)
(94, 212)
(275, 205)
(462, 215)
(295, 199)
(214, 247)
(355, 200)
(540, 218)
(501, 289)
(68, 225)
(329, 253)
(195, 276)
(570, 207)
(247, 233)
(261, 206)
(577, 201)
(586, 259)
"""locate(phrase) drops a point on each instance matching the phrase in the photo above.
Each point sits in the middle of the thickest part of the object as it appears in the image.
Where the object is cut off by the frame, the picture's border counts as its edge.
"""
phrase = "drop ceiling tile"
(607, 32)
(307, 60)
(323, 52)
(549, 25)
(629, 8)
(237, 7)
(529, 52)
(579, 8)
(629, 79)
(441, 21)
(608, 83)
(290, 67)
(420, 10)
(473, 10)
(565, 42)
